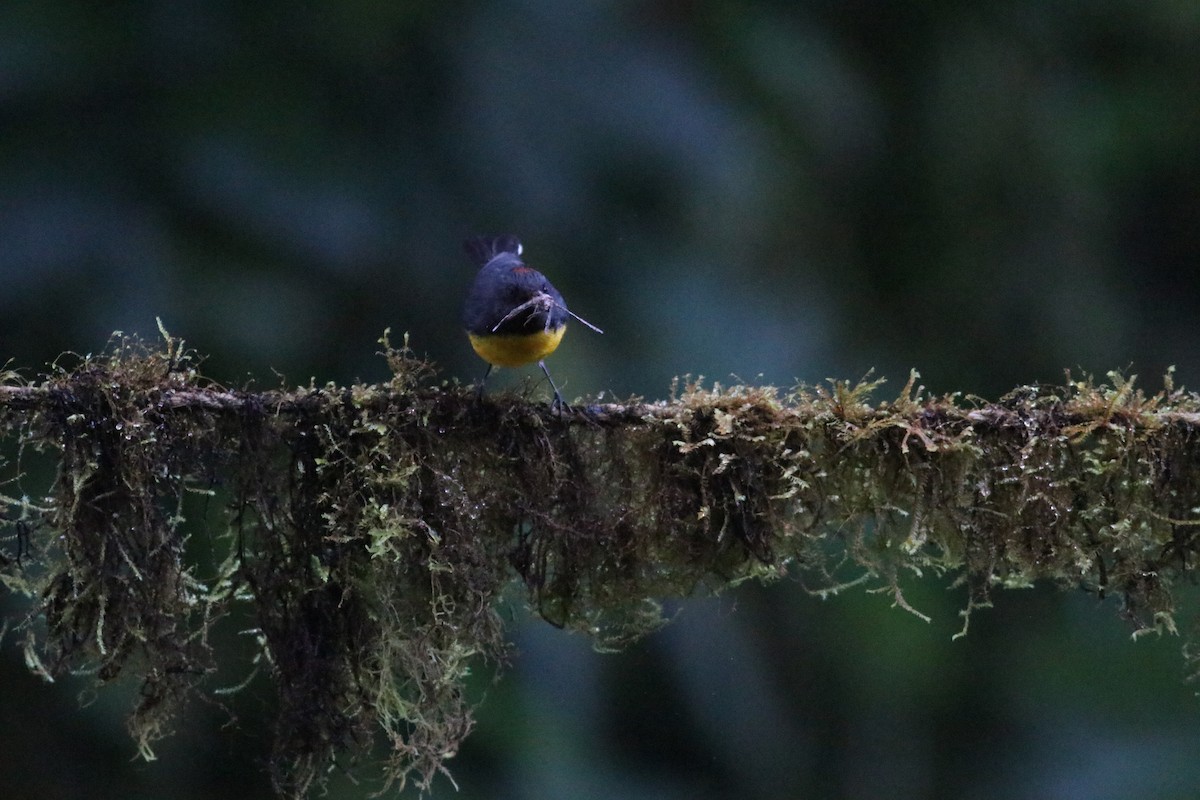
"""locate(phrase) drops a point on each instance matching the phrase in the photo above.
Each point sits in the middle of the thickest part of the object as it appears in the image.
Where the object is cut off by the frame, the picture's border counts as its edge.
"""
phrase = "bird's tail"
(483, 249)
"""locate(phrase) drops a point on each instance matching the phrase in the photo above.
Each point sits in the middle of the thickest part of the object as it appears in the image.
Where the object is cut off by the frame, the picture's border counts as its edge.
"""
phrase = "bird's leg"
(482, 383)
(558, 403)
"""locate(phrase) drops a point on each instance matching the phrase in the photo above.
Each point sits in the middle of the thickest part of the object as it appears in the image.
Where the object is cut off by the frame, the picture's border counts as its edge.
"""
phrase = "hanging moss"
(371, 530)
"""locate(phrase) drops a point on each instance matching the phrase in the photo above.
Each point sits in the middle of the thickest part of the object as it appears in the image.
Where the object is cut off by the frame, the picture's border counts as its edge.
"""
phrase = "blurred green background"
(778, 191)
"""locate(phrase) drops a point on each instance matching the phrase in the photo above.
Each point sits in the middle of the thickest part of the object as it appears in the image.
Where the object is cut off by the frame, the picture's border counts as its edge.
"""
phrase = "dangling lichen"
(372, 530)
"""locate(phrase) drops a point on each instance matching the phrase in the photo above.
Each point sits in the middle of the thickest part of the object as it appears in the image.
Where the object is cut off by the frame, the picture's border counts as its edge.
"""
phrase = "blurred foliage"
(990, 193)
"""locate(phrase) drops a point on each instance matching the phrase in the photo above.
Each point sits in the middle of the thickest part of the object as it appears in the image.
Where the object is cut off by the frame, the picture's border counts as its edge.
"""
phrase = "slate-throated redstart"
(513, 315)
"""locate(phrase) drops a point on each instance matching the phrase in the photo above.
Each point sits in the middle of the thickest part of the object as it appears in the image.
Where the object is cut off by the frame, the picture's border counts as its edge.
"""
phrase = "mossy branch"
(371, 530)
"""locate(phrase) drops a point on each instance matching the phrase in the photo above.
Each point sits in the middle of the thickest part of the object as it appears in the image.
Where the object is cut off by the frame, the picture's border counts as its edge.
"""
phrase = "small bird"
(513, 315)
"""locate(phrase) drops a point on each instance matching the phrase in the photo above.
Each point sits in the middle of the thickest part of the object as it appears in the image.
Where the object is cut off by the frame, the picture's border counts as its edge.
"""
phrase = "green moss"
(372, 530)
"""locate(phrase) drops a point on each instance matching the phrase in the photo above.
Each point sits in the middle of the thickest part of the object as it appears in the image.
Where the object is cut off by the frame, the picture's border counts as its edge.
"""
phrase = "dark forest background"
(762, 191)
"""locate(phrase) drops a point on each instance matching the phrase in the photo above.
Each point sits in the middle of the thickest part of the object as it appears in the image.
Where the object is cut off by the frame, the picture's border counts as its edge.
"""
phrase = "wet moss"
(372, 530)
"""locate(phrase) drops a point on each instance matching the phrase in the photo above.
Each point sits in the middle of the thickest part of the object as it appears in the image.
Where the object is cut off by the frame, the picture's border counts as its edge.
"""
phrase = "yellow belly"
(513, 350)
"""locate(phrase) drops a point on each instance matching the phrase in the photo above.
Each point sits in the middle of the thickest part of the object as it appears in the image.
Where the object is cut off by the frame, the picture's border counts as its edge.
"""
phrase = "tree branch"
(371, 529)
